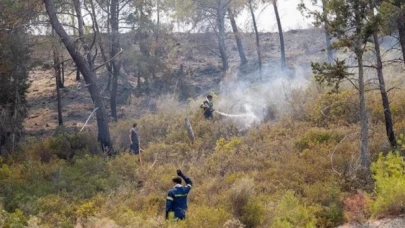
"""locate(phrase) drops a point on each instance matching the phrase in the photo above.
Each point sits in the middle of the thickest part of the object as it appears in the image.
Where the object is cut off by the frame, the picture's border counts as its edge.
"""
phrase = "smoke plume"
(248, 102)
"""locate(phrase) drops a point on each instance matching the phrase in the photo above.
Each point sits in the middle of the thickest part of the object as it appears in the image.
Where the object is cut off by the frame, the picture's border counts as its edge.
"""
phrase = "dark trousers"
(134, 148)
(208, 114)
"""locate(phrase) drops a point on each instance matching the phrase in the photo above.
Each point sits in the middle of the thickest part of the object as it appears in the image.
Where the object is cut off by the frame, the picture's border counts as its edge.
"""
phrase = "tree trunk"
(62, 64)
(358, 50)
(77, 74)
(221, 35)
(16, 114)
(147, 88)
(62, 83)
(115, 46)
(57, 68)
(144, 49)
(100, 44)
(259, 54)
(113, 98)
(58, 97)
(401, 31)
(109, 80)
(72, 17)
(88, 75)
(236, 33)
(138, 81)
(364, 153)
(389, 126)
(327, 36)
(280, 33)
(189, 129)
(157, 50)
(157, 21)
(80, 22)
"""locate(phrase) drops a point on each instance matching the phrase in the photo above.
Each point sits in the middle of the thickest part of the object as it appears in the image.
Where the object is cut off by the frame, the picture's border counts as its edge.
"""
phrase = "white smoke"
(247, 102)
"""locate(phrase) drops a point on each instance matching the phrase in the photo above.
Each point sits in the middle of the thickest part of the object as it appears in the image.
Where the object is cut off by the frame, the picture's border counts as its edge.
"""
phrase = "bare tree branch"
(96, 68)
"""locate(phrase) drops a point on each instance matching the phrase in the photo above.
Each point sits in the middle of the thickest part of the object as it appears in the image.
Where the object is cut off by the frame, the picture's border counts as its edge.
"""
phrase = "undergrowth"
(297, 172)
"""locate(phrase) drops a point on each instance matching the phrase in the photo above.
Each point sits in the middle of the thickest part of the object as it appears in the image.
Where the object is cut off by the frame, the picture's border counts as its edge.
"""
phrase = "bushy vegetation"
(290, 173)
(389, 174)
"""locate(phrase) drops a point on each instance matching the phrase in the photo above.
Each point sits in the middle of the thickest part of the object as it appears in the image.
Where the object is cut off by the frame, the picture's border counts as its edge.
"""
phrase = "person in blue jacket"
(176, 200)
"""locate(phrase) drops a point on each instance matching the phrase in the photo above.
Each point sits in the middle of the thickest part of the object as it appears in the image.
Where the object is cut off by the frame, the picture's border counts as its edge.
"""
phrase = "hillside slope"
(297, 165)
(194, 52)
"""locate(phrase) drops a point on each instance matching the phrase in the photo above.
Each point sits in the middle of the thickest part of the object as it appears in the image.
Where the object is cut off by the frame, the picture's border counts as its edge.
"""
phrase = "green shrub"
(5, 171)
(326, 196)
(85, 178)
(62, 145)
(316, 136)
(16, 219)
(123, 168)
(389, 176)
(397, 106)
(245, 206)
(56, 209)
(335, 108)
(86, 209)
(291, 213)
(203, 216)
(26, 182)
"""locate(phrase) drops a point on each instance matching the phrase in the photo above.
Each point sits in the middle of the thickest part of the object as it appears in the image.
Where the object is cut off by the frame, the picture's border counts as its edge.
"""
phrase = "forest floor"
(192, 52)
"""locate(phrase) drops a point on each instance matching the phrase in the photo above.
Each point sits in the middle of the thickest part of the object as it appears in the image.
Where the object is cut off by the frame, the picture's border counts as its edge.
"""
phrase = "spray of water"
(236, 115)
(247, 103)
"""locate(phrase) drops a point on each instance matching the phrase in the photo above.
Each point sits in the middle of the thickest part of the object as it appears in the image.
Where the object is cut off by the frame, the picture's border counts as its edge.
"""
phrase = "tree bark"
(327, 36)
(401, 31)
(62, 83)
(389, 126)
(259, 54)
(113, 98)
(115, 46)
(144, 49)
(88, 75)
(62, 64)
(280, 33)
(75, 33)
(221, 35)
(157, 21)
(100, 44)
(80, 22)
(57, 68)
(189, 129)
(77, 74)
(364, 152)
(138, 80)
(241, 51)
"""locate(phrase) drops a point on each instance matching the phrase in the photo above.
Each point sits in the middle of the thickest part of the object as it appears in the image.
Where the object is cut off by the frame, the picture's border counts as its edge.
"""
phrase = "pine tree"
(14, 66)
(349, 25)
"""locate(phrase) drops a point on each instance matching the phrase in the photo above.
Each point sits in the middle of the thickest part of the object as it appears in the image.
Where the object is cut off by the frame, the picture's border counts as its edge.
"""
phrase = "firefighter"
(134, 139)
(208, 107)
(176, 200)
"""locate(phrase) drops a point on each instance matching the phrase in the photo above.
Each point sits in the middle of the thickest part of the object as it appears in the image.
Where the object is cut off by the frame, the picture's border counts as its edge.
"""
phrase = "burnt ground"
(196, 52)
